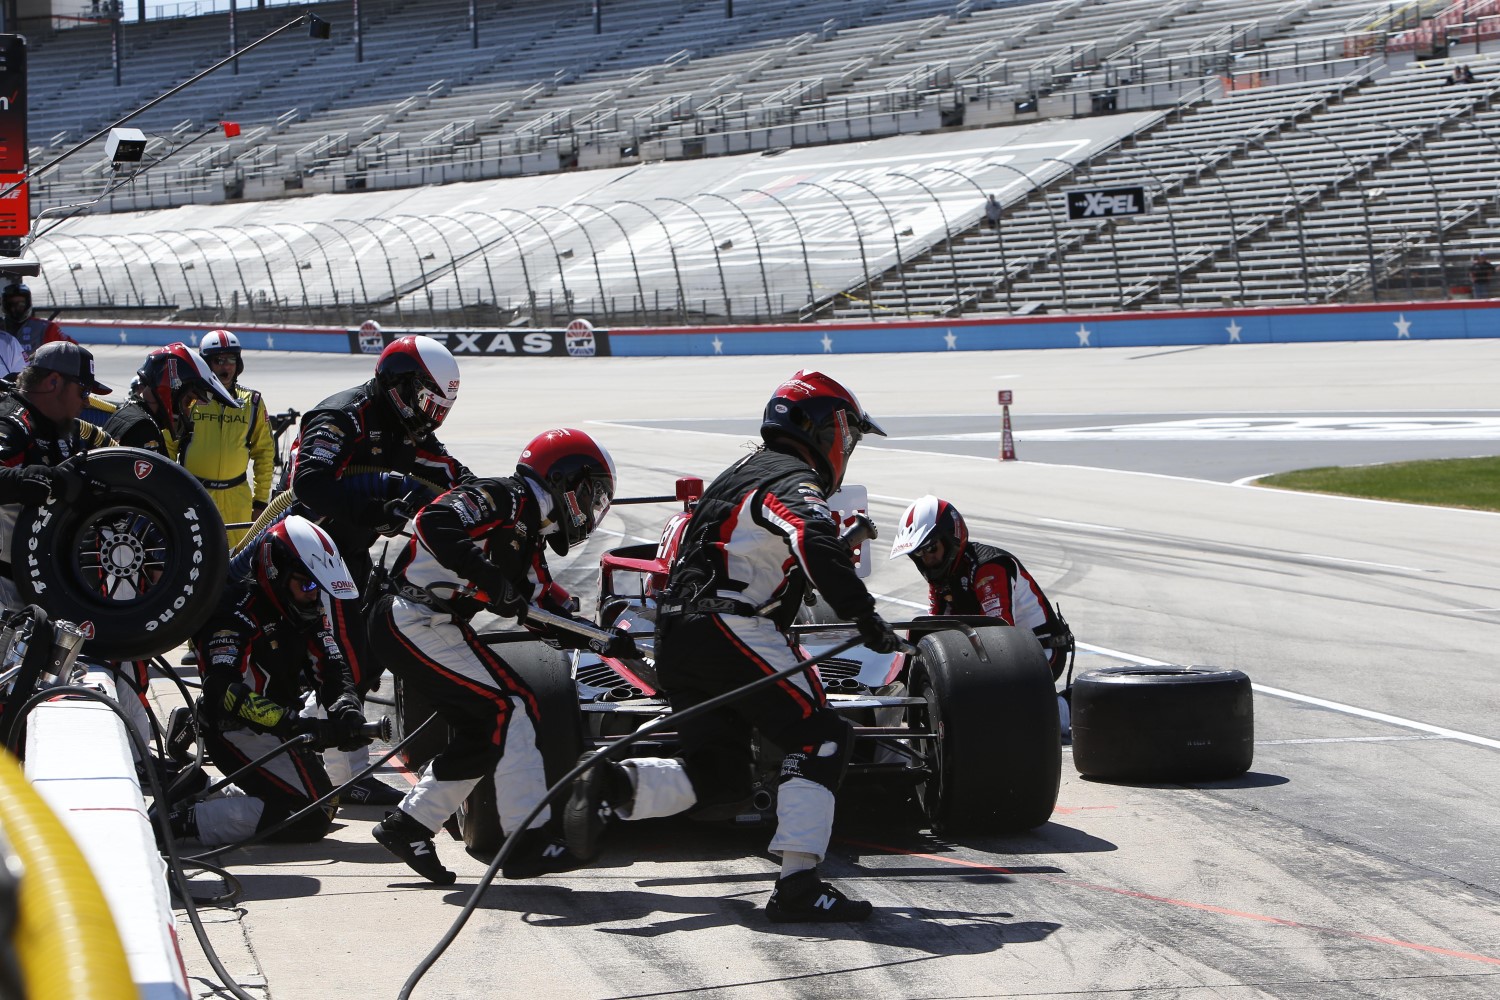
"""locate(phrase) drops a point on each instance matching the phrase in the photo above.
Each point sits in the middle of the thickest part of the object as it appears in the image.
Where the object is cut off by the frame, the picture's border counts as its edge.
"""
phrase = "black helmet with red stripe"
(579, 476)
(929, 522)
(812, 410)
(179, 378)
(419, 379)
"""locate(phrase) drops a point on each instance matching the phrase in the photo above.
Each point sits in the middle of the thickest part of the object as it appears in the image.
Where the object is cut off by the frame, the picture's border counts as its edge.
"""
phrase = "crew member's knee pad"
(818, 749)
(720, 774)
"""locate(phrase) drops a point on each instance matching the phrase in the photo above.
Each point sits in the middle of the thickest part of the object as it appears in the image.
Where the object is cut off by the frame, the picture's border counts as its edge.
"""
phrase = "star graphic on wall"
(1083, 335)
(1234, 331)
(270, 342)
(122, 336)
(718, 345)
(827, 344)
(951, 340)
(1403, 327)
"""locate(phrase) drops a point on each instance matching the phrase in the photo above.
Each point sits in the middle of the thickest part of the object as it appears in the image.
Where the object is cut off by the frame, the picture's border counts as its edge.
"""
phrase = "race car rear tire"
(412, 709)
(997, 756)
(85, 561)
(549, 674)
(1141, 723)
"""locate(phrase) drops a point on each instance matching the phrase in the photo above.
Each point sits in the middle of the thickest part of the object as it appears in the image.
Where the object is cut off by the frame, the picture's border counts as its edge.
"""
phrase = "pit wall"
(1297, 324)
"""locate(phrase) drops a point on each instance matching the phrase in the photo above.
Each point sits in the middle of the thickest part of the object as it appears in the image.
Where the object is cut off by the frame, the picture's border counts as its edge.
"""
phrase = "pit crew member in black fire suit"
(970, 578)
(269, 636)
(480, 546)
(761, 534)
(366, 457)
(169, 383)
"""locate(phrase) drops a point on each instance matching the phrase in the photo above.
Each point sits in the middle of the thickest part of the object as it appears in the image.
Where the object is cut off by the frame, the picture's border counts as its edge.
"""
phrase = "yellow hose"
(279, 503)
(65, 938)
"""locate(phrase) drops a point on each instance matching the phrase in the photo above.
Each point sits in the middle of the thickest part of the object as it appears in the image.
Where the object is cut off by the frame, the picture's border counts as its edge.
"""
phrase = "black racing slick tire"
(549, 674)
(411, 710)
(996, 756)
(1141, 723)
(140, 562)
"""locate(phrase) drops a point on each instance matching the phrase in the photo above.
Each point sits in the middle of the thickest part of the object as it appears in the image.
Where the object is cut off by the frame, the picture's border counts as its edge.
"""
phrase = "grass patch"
(1447, 482)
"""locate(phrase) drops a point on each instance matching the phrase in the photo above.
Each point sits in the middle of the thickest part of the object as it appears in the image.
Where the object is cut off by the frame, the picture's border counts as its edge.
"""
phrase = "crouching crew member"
(269, 637)
(479, 546)
(970, 578)
(760, 536)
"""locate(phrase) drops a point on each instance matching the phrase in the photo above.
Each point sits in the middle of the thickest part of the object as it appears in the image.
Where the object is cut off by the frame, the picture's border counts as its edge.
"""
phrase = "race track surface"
(1356, 859)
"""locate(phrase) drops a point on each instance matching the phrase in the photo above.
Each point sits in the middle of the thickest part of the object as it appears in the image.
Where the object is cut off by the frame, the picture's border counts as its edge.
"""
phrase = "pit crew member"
(480, 546)
(167, 385)
(760, 536)
(269, 636)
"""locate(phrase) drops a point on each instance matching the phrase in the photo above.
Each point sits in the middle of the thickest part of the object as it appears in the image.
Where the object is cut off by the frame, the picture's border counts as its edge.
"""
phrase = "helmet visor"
(587, 506)
(433, 405)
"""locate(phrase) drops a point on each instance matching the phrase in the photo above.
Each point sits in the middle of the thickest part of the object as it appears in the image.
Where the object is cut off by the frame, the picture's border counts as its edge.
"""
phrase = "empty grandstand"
(1288, 152)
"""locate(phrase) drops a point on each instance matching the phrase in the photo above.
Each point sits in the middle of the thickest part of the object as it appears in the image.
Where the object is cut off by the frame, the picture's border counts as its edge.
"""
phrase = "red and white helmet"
(419, 377)
(927, 521)
(295, 547)
(815, 411)
(578, 474)
(217, 342)
(179, 376)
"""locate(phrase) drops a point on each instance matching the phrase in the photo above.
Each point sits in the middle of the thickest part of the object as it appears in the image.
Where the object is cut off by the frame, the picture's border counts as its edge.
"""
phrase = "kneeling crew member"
(268, 637)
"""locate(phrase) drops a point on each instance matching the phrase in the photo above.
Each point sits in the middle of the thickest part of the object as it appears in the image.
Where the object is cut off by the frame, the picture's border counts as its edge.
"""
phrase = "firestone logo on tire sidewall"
(143, 468)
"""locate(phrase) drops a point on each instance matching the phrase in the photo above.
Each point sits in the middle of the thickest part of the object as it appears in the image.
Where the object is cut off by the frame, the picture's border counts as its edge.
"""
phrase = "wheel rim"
(119, 554)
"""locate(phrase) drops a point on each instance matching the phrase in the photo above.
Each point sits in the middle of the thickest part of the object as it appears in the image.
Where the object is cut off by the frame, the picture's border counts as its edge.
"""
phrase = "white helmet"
(217, 342)
(931, 519)
(296, 545)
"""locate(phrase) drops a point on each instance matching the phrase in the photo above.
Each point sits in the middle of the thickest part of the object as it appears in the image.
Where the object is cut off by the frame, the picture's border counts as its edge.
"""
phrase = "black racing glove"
(876, 633)
(348, 719)
(506, 602)
(257, 508)
(37, 486)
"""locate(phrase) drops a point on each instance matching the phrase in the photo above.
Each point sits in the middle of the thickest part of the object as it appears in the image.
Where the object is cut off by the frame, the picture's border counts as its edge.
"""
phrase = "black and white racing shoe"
(412, 842)
(371, 791)
(539, 851)
(597, 794)
(805, 898)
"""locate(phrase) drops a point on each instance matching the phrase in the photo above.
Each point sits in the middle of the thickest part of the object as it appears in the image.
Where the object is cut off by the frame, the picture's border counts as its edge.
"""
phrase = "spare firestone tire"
(143, 561)
(1163, 723)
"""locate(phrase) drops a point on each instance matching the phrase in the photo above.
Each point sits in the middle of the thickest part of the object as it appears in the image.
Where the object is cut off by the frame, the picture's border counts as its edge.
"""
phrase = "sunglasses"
(927, 548)
(303, 584)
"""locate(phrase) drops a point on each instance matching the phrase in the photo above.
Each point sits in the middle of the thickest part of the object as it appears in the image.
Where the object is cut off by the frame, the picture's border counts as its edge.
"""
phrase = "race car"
(967, 725)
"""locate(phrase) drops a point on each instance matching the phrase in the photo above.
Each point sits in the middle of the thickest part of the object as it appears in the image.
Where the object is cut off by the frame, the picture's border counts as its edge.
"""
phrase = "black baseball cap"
(69, 359)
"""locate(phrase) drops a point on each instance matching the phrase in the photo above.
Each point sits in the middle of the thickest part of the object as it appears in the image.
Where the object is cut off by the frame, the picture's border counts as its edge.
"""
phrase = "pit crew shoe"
(538, 852)
(371, 791)
(411, 842)
(805, 898)
(597, 794)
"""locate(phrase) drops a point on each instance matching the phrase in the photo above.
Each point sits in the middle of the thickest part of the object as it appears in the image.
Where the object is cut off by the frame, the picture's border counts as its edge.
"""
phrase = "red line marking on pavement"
(1185, 903)
(1066, 810)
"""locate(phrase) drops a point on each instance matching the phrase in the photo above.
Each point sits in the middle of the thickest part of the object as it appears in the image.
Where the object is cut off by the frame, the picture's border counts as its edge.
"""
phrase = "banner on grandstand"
(1105, 203)
(580, 340)
(15, 209)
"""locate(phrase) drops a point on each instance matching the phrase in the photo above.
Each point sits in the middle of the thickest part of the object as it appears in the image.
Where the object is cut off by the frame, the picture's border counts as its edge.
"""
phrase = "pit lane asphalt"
(1357, 859)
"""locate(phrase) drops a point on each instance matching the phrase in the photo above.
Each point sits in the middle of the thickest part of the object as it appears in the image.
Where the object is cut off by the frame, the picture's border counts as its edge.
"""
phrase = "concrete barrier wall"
(1302, 324)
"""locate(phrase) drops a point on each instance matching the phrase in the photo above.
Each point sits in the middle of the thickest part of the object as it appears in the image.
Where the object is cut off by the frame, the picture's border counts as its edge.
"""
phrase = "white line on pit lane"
(1332, 706)
(1332, 428)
